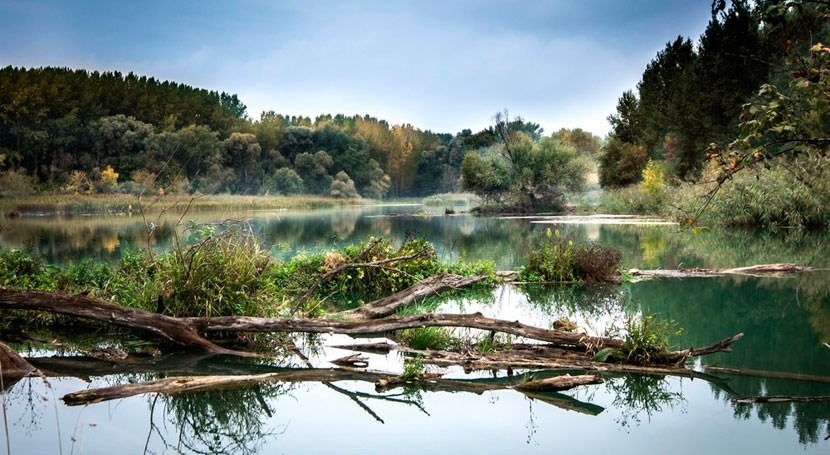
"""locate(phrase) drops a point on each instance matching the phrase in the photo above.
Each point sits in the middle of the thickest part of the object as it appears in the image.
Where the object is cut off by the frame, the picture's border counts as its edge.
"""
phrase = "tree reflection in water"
(226, 421)
(640, 395)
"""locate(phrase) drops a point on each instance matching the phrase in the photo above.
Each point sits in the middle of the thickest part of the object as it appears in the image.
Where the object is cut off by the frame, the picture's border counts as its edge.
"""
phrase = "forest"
(751, 90)
(87, 132)
(751, 94)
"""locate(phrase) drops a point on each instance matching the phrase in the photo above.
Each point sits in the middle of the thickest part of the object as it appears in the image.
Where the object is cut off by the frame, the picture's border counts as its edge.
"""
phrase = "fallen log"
(12, 365)
(431, 286)
(761, 270)
(780, 399)
(678, 357)
(558, 383)
(81, 306)
(390, 324)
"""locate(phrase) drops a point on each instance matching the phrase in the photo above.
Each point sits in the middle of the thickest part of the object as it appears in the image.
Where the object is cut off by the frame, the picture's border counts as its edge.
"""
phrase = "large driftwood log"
(389, 324)
(761, 270)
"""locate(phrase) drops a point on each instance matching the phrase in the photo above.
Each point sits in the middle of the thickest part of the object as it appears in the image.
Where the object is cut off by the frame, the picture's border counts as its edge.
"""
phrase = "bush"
(223, 274)
(595, 263)
(16, 184)
(558, 259)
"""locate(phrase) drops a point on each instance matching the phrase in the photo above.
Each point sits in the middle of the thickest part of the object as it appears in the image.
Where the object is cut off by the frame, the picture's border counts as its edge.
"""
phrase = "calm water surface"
(786, 322)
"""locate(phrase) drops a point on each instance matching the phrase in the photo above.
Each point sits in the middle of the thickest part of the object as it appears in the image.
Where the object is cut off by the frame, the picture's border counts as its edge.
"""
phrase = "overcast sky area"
(438, 65)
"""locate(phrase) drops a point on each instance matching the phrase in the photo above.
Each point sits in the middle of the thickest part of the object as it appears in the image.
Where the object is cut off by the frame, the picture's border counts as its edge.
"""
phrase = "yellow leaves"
(109, 179)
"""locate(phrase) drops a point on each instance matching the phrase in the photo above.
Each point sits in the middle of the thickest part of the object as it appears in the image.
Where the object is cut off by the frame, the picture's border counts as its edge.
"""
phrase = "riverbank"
(116, 204)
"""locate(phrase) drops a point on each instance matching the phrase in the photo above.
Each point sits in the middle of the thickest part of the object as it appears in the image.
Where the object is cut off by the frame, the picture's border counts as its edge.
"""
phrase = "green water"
(786, 322)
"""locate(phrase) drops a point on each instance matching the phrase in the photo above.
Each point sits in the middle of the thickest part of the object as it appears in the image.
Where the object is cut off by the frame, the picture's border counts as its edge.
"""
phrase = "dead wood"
(678, 357)
(382, 263)
(761, 270)
(558, 383)
(390, 324)
(430, 286)
(372, 348)
(81, 306)
(12, 365)
(766, 374)
(780, 399)
(354, 361)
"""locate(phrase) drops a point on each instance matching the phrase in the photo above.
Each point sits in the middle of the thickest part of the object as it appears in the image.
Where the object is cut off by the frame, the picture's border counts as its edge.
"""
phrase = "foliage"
(109, 180)
(691, 95)
(621, 164)
(16, 184)
(222, 274)
(343, 186)
(413, 369)
(646, 337)
(79, 183)
(437, 338)
(766, 198)
(552, 260)
(285, 181)
(24, 270)
(557, 259)
(525, 171)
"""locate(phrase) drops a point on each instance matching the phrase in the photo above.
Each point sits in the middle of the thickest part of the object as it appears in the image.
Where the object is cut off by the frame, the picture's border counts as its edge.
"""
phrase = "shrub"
(221, 275)
(595, 263)
(558, 259)
(23, 270)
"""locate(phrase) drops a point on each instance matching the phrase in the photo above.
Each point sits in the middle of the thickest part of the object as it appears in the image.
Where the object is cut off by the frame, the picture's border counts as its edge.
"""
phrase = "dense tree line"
(84, 132)
(692, 95)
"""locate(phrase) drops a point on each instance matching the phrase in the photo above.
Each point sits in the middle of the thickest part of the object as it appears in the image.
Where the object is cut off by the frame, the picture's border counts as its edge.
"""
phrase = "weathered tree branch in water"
(780, 399)
(81, 306)
(433, 285)
(678, 357)
(389, 324)
(762, 270)
(558, 383)
(186, 384)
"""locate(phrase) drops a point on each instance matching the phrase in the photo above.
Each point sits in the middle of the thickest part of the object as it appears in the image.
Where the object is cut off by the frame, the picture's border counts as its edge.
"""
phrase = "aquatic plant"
(558, 259)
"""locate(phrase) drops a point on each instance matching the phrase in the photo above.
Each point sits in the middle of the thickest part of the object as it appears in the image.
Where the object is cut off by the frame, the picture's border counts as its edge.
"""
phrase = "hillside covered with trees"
(751, 94)
(74, 131)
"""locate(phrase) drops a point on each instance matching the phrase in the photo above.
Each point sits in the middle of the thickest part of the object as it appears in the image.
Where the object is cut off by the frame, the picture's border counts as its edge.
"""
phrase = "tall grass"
(124, 203)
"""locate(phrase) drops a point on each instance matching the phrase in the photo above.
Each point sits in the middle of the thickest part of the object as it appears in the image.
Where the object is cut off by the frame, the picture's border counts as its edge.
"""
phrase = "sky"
(437, 65)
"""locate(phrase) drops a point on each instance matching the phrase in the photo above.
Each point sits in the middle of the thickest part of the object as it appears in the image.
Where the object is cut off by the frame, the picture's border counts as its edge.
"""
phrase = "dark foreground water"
(786, 322)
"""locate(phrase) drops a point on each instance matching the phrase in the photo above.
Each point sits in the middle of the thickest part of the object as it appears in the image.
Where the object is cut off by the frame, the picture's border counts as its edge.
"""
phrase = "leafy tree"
(242, 154)
(379, 182)
(342, 186)
(314, 170)
(486, 175)
(622, 163)
(285, 181)
(109, 180)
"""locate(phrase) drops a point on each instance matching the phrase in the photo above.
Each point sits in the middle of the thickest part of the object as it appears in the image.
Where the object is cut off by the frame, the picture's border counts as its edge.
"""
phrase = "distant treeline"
(692, 94)
(83, 132)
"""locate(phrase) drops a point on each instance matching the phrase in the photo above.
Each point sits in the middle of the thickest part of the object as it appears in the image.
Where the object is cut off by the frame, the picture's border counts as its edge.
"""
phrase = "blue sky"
(439, 65)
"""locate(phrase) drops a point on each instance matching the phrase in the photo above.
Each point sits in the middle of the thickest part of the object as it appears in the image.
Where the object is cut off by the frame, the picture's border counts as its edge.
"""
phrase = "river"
(786, 322)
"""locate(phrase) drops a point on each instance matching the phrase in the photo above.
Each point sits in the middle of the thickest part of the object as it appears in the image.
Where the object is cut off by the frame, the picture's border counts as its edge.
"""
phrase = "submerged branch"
(761, 270)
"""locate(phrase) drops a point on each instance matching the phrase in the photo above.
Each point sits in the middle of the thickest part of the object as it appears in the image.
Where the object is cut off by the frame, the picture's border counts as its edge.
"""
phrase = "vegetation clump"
(558, 259)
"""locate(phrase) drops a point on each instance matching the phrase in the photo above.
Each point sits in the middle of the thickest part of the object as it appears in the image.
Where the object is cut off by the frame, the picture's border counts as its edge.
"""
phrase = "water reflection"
(786, 322)
(220, 422)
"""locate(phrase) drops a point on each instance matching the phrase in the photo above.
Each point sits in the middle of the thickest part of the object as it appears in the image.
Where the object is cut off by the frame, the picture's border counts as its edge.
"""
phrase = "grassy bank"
(122, 203)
